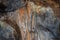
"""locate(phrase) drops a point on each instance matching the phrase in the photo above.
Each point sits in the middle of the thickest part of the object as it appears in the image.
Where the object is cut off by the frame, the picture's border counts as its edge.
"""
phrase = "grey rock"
(11, 5)
(7, 32)
(47, 25)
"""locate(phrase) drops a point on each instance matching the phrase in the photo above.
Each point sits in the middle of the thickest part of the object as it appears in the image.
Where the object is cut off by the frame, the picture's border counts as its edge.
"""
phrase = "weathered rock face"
(7, 32)
(25, 18)
(11, 5)
(10, 27)
(47, 25)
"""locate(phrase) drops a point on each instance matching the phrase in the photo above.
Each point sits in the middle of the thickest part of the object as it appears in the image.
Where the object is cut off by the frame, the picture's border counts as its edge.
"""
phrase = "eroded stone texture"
(11, 5)
(10, 23)
(47, 24)
(7, 32)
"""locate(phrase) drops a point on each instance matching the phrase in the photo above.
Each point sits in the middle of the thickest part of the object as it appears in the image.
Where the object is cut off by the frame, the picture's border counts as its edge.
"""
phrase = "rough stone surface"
(11, 5)
(6, 32)
(47, 25)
